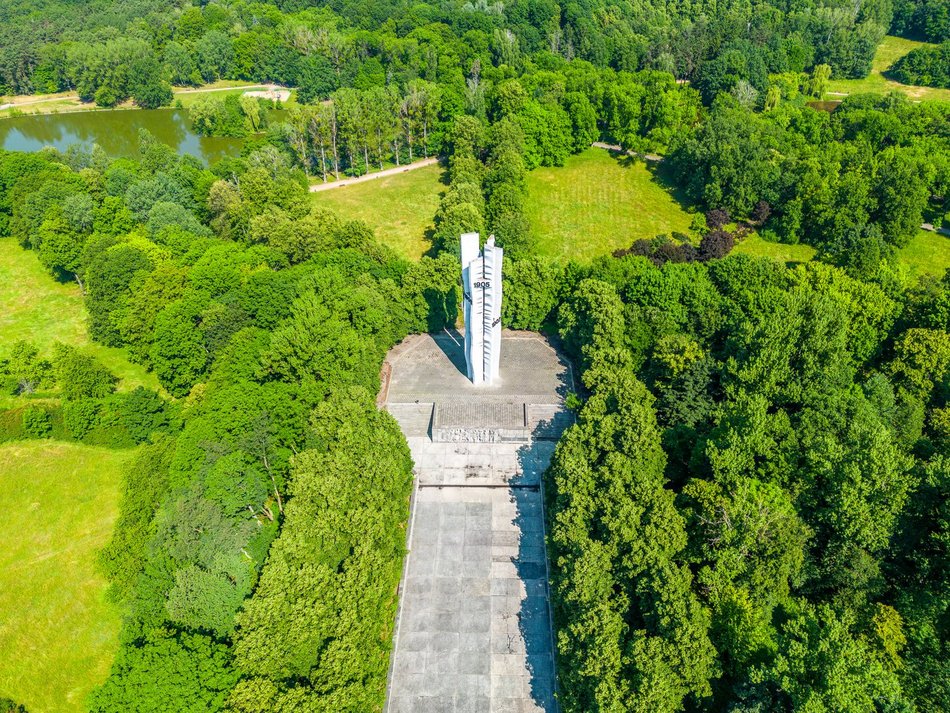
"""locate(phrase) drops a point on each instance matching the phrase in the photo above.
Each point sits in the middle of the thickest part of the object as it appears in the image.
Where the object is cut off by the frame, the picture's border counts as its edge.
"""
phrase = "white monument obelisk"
(481, 296)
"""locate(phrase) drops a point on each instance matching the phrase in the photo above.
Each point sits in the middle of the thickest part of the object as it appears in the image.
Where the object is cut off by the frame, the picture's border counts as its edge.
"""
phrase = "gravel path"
(317, 187)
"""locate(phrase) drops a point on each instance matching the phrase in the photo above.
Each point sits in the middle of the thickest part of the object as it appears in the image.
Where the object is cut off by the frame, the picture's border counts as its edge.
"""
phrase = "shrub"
(24, 371)
(716, 244)
(761, 212)
(80, 375)
(9, 706)
(81, 416)
(717, 218)
(37, 423)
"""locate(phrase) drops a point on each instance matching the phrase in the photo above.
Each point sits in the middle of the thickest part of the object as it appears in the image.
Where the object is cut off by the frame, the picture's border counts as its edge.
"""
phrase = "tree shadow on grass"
(661, 173)
(434, 249)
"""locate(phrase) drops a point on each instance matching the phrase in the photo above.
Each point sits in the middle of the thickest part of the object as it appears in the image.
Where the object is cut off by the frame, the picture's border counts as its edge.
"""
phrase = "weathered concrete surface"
(474, 628)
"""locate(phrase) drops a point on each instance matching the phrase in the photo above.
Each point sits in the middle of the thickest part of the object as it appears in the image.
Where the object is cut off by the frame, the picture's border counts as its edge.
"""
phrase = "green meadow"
(37, 308)
(58, 634)
(599, 202)
(888, 52)
(400, 208)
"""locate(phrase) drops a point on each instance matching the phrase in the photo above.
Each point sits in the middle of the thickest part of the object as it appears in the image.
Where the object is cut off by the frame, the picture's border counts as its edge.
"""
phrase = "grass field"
(888, 52)
(598, 202)
(926, 254)
(58, 634)
(754, 245)
(400, 208)
(67, 102)
(35, 307)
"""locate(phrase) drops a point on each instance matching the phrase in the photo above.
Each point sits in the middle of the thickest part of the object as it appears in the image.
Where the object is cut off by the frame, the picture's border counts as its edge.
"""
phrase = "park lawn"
(68, 102)
(599, 202)
(888, 52)
(755, 245)
(37, 308)
(58, 634)
(927, 254)
(188, 96)
(400, 208)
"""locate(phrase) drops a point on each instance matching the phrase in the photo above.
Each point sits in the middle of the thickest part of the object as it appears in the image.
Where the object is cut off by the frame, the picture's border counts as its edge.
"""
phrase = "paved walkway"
(474, 628)
(317, 187)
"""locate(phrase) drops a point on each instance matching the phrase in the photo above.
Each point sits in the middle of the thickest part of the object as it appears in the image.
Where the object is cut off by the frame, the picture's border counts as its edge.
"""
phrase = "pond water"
(828, 106)
(115, 131)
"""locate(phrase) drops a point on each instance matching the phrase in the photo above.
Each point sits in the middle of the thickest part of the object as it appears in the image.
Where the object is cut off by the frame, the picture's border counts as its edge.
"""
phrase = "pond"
(115, 131)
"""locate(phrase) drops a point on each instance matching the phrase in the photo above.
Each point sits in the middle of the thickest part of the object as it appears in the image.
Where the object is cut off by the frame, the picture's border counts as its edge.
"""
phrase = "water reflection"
(115, 131)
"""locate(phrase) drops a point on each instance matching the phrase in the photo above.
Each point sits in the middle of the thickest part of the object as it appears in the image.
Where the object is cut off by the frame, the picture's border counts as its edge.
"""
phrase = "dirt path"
(616, 148)
(316, 188)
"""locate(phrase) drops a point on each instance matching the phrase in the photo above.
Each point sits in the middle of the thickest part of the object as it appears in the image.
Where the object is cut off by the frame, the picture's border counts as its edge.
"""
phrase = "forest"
(751, 512)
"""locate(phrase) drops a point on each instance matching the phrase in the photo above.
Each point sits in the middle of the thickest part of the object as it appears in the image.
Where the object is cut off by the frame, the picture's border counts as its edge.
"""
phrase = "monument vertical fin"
(481, 288)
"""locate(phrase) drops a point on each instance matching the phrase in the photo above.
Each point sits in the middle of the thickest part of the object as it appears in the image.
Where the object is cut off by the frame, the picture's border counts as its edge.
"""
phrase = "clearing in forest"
(888, 52)
(58, 634)
(400, 208)
(926, 254)
(599, 202)
(37, 308)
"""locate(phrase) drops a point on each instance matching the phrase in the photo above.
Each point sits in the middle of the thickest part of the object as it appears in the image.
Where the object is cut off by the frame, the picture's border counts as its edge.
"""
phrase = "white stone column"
(481, 288)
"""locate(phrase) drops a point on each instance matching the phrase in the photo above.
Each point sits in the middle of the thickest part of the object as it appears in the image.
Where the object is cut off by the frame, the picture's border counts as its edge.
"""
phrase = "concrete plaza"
(474, 628)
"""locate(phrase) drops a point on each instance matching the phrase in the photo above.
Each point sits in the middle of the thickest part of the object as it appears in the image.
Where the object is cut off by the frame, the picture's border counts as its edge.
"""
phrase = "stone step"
(547, 421)
(479, 422)
(415, 419)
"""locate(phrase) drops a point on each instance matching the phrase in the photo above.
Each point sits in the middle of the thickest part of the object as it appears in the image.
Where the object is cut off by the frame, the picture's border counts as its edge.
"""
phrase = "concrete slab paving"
(474, 627)
(473, 632)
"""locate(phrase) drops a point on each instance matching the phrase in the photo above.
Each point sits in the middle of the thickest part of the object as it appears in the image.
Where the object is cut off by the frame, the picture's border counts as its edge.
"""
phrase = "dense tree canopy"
(735, 518)
(750, 513)
(269, 342)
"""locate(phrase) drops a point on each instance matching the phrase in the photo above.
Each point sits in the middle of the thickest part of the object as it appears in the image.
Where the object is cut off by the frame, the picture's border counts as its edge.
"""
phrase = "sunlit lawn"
(599, 202)
(400, 208)
(754, 245)
(888, 52)
(37, 308)
(58, 634)
(926, 254)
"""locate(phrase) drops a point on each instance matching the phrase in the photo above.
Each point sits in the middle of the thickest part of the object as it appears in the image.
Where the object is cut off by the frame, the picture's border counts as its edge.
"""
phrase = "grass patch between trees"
(756, 246)
(400, 208)
(37, 308)
(888, 52)
(927, 253)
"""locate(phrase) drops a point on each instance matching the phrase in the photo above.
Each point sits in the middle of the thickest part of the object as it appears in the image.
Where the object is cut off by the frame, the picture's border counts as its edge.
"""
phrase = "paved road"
(317, 187)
